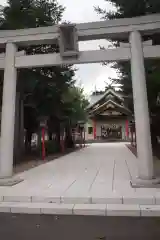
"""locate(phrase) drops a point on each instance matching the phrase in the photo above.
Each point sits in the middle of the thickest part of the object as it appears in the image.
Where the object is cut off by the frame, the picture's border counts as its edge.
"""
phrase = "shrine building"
(108, 117)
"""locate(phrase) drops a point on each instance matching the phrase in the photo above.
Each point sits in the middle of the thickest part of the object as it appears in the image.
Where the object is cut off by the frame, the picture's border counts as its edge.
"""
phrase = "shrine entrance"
(67, 36)
(111, 133)
(109, 115)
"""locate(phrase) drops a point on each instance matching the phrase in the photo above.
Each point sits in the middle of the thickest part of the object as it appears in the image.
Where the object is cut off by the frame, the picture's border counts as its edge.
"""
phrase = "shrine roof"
(109, 101)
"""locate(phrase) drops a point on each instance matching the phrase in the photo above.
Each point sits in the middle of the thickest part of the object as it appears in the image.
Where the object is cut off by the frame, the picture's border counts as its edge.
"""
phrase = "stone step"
(130, 199)
(81, 209)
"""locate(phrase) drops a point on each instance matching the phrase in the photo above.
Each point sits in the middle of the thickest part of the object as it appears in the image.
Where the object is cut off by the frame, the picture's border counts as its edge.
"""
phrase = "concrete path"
(94, 180)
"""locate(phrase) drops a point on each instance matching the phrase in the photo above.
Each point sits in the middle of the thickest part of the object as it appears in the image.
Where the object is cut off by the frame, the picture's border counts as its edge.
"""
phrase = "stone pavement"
(92, 181)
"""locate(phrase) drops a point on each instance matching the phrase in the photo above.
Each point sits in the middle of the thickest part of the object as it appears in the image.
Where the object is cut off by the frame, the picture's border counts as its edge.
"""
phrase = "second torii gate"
(131, 29)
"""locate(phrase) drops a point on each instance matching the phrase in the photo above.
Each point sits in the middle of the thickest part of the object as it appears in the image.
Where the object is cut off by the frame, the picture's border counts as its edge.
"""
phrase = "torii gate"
(135, 51)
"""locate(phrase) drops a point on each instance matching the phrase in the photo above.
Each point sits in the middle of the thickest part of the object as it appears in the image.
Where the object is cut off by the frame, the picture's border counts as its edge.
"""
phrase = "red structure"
(62, 144)
(94, 129)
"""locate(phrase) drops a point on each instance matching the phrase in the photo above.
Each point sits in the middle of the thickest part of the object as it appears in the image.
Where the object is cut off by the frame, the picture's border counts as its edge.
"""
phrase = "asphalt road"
(45, 227)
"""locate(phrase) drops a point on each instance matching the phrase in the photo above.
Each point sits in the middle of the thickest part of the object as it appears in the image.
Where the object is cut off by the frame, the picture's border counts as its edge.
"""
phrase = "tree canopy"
(43, 89)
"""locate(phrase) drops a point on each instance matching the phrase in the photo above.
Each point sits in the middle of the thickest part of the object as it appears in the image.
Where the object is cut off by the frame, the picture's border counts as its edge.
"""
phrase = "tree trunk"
(22, 147)
(39, 142)
(19, 124)
(50, 125)
(154, 133)
(50, 135)
(58, 134)
(17, 129)
(68, 138)
(28, 138)
(154, 139)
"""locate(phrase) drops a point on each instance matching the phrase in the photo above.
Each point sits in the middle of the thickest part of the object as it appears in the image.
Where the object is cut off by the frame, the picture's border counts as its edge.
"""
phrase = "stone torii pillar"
(142, 120)
(8, 116)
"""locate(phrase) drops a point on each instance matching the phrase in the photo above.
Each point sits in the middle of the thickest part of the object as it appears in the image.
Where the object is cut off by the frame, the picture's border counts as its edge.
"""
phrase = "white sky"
(89, 76)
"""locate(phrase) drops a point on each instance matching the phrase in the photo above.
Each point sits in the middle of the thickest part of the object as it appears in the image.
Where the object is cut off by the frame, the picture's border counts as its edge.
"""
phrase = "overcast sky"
(90, 76)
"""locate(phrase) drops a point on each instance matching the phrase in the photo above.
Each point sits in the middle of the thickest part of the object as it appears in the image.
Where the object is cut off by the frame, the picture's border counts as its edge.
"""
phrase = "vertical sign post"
(43, 126)
(94, 129)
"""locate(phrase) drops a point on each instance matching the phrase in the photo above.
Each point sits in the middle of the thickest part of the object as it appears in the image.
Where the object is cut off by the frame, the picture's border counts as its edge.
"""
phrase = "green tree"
(21, 14)
(75, 104)
(41, 89)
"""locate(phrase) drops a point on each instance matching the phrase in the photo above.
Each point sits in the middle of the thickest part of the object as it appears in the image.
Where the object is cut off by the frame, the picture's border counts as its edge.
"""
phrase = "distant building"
(108, 117)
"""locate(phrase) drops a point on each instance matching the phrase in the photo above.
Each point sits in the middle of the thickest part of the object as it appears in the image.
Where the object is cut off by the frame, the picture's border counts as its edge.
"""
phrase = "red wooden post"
(94, 129)
(43, 144)
(84, 137)
(132, 135)
(81, 132)
(135, 139)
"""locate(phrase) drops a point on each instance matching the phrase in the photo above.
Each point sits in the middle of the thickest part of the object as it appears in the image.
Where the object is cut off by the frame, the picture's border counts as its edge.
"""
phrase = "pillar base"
(10, 181)
(141, 183)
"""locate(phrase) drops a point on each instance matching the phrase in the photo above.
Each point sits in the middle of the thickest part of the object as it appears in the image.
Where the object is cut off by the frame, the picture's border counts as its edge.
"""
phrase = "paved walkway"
(92, 177)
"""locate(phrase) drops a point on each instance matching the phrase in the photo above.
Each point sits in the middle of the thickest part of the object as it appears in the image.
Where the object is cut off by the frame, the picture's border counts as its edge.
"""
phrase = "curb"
(81, 209)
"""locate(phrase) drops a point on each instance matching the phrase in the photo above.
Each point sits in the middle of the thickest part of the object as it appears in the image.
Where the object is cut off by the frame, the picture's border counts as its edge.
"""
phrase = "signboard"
(68, 40)
(43, 122)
